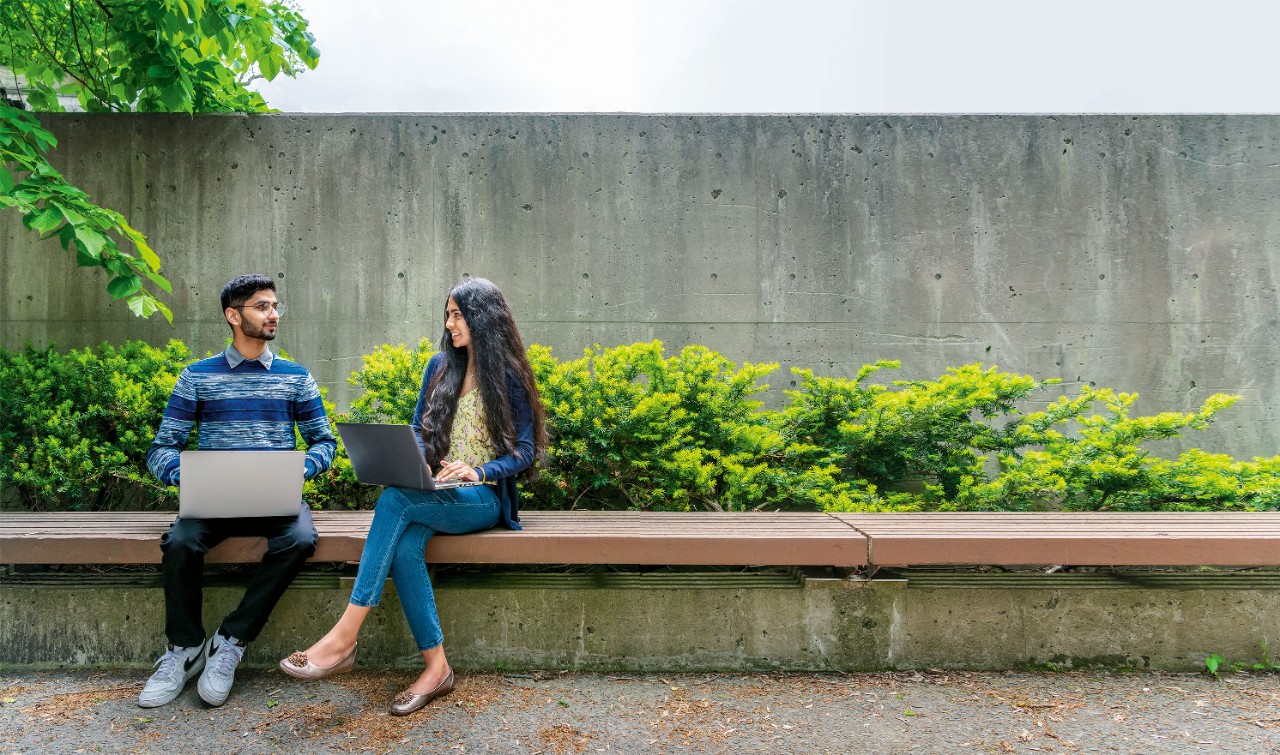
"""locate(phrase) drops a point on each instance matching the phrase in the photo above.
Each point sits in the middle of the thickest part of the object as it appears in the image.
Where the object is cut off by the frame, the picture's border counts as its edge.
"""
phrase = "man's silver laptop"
(224, 484)
(390, 455)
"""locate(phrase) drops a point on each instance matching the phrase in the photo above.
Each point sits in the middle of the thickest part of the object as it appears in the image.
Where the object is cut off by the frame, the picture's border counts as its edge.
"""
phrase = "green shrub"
(75, 427)
(391, 377)
(933, 433)
(942, 435)
(633, 428)
(1102, 465)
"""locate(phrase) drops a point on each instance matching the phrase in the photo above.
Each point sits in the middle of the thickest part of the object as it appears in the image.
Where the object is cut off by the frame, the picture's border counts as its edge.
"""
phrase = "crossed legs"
(404, 521)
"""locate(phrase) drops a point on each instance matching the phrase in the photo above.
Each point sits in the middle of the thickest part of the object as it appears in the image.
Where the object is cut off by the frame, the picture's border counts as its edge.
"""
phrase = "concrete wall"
(694, 622)
(1139, 253)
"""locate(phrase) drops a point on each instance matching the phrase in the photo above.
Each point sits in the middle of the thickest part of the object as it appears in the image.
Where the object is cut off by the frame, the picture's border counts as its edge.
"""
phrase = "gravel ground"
(934, 712)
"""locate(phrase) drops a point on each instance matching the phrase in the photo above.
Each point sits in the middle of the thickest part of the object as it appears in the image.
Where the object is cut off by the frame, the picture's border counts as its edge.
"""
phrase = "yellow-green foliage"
(1093, 461)
(634, 428)
(391, 377)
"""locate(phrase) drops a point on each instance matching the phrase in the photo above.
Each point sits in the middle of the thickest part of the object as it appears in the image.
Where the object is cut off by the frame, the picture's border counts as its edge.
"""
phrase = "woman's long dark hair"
(500, 357)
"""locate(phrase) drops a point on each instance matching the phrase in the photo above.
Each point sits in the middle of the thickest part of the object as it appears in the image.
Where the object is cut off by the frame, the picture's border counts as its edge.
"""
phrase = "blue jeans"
(403, 521)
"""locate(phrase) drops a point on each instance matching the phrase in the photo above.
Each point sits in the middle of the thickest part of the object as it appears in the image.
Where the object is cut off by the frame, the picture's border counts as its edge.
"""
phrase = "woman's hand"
(456, 470)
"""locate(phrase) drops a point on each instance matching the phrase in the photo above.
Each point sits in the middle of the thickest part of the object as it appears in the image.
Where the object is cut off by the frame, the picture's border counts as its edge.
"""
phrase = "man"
(245, 398)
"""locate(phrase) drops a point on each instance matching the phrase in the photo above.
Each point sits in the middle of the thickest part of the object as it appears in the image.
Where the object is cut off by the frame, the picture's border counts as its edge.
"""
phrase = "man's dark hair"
(242, 287)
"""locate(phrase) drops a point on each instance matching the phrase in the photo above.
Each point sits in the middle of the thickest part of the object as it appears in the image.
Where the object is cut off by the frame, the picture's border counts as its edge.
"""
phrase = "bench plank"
(548, 537)
(705, 538)
(1078, 539)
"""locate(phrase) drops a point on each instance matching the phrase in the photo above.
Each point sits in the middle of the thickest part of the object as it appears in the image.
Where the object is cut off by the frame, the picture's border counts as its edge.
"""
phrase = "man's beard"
(252, 332)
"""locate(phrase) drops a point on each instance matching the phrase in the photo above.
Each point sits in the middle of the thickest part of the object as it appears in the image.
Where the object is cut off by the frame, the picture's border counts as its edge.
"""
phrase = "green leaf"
(46, 220)
(73, 217)
(141, 306)
(164, 310)
(66, 235)
(83, 259)
(159, 280)
(151, 259)
(46, 139)
(269, 64)
(124, 285)
(93, 241)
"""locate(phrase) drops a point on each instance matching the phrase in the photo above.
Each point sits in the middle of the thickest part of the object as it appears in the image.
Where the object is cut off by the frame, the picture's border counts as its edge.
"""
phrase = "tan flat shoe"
(299, 666)
(407, 702)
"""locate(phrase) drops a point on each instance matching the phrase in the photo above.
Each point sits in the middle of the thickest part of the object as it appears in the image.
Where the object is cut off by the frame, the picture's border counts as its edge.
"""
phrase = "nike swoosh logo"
(190, 662)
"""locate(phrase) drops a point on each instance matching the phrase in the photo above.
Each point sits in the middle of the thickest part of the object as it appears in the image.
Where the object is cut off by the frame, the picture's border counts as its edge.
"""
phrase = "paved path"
(937, 712)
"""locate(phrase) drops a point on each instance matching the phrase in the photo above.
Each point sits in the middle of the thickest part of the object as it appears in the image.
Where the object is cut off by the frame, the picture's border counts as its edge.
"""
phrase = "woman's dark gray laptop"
(390, 455)
(226, 484)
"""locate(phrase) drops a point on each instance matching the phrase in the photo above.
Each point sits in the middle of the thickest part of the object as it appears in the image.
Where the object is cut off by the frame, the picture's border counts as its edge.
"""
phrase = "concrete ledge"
(695, 621)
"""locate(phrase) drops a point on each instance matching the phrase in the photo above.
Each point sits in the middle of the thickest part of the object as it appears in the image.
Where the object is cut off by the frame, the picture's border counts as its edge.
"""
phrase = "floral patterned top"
(469, 441)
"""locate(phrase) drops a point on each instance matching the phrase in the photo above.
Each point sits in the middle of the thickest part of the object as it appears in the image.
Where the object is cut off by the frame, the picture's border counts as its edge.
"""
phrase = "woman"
(479, 418)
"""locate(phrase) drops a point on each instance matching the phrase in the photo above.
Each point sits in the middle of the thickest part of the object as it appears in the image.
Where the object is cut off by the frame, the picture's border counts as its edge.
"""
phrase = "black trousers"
(290, 542)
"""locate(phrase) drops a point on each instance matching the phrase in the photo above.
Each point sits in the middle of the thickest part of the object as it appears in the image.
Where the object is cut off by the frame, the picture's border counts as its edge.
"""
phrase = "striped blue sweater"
(246, 408)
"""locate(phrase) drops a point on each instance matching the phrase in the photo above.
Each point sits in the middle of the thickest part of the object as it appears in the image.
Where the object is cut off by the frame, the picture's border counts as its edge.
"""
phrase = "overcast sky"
(856, 56)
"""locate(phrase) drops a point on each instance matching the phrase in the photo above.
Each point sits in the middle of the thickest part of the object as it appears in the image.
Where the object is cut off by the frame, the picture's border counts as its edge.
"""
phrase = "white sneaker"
(222, 656)
(172, 672)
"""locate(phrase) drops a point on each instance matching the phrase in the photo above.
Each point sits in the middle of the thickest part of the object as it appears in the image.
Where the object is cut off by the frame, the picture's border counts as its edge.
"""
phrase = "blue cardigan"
(504, 469)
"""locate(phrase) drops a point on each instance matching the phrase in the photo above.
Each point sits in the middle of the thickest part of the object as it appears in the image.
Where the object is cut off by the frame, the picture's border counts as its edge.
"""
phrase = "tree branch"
(88, 63)
(35, 35)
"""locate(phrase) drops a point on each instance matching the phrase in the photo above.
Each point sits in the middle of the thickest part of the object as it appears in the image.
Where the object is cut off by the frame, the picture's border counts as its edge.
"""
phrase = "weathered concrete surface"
(1152, 713)
(1134, 252)
(1163, 621)
(695, 622)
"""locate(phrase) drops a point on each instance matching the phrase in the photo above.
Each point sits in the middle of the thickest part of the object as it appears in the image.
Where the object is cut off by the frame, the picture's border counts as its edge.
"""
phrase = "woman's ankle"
(429, 679)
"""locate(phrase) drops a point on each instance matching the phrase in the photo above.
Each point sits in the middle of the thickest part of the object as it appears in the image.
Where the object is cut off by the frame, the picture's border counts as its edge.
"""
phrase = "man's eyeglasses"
(264, 307)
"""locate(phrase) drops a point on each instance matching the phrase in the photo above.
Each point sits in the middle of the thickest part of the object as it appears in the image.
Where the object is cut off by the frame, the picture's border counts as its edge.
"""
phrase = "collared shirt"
(241, 405)
(234, 357)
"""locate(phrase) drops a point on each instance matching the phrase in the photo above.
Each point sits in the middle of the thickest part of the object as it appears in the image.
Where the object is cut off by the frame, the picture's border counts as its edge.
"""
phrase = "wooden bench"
(849, 541)
(1077, 539)
(570, 537)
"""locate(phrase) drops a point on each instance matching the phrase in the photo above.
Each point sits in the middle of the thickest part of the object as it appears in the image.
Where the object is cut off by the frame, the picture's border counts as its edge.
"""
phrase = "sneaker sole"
(158, 702)
(205, 695)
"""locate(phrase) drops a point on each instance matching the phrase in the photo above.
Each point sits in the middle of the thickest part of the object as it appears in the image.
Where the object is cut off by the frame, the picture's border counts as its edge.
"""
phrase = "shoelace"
(169, 661)
(226, 661)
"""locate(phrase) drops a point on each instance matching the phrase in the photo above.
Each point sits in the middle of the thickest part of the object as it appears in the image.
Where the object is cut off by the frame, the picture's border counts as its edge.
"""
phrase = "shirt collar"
(235, 358)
